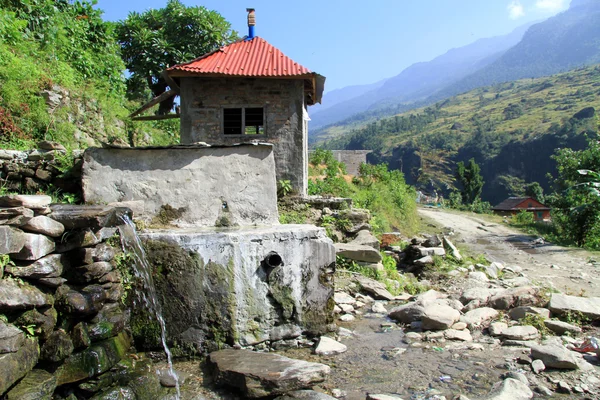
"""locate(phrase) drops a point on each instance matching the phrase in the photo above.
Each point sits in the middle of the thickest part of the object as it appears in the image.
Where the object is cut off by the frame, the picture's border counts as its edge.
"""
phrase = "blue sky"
(356, 42)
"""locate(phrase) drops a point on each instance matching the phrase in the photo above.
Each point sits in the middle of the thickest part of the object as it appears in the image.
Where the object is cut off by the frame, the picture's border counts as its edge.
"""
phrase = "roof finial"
(251, 23)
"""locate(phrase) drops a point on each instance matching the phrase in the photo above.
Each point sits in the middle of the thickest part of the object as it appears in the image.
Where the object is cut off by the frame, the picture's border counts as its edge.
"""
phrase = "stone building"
(250, 91)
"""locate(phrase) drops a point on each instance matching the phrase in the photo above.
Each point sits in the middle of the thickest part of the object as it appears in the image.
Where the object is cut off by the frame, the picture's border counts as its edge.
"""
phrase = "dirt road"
(566, 269)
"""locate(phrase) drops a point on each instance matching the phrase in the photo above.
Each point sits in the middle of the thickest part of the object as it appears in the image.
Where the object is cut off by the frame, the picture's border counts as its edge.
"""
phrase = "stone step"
(264, 374)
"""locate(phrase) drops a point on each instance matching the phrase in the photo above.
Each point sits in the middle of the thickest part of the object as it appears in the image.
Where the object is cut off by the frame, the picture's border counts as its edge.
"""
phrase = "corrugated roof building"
(249, 90)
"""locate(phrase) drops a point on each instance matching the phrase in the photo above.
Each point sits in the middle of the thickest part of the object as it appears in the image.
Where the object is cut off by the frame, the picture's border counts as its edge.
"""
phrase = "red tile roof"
(247, 58)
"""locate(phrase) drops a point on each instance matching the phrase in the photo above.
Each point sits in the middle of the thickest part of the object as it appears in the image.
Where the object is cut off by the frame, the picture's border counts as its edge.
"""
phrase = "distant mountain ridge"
(416, 82)
(511, 129)
(566, 41)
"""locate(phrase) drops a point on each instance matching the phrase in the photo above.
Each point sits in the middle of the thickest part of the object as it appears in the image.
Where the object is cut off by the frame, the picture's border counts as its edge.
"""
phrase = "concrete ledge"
(187, 186)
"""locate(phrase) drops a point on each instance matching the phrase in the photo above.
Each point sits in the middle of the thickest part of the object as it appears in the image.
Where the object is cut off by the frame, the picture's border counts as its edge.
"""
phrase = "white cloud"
(551, 5)
(516, 10)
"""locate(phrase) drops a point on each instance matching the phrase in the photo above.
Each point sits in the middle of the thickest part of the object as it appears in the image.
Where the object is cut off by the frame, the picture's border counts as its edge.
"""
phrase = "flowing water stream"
(132, 245)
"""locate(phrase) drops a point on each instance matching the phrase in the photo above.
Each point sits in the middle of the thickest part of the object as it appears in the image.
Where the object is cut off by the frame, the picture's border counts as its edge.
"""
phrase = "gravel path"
(566, 269)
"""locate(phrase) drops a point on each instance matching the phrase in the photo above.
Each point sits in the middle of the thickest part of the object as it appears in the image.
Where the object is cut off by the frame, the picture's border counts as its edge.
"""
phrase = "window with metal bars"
(244, 121)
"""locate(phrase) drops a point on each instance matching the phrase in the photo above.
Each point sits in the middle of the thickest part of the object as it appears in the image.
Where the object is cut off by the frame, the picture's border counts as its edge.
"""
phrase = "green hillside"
(61, 78)
(511, 129)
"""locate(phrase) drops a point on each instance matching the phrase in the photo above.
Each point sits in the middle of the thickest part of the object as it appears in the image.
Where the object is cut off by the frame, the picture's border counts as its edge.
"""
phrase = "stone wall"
(37, 170)
(352, 159)
(188, 185)
(202, 100)
(61, 315)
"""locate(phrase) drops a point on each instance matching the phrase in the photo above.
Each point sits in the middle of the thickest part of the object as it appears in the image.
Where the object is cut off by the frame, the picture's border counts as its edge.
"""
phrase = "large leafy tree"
(470, 180)
(157, 39)
(576, 204)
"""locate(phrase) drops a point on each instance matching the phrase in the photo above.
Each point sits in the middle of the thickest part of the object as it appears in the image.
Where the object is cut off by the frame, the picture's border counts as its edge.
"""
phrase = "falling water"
(131, 243)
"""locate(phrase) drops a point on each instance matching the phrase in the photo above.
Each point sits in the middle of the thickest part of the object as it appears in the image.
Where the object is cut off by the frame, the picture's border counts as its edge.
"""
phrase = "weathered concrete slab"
(187, 186)
(263, 374)
(228, 287)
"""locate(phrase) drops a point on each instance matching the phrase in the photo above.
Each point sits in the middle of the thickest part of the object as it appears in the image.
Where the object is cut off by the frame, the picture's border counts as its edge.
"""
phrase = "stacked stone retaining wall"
(48, 167)
(62, 320)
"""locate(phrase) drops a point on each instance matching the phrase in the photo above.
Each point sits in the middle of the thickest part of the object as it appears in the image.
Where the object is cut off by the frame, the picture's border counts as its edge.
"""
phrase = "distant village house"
(514, 205)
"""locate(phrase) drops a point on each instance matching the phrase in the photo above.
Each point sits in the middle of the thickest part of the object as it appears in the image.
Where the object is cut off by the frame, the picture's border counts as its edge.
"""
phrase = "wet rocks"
(94, 360)
(57, 347)
(38, 384)
(263, 374)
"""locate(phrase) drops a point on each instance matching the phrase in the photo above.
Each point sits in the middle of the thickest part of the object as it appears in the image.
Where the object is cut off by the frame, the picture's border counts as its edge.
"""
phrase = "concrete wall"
(188, 186)
(352, 159)
(225, 293)
(202, 100)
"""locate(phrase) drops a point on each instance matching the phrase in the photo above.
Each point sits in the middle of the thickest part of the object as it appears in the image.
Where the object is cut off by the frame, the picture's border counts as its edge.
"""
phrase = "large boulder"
(15, 365)
(358, 252)
(262, 374)
(11, 240)
(562, 304)
(19, 295)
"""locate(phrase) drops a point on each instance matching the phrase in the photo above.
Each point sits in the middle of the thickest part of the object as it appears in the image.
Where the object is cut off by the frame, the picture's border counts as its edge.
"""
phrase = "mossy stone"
(37, 385)
(14, 366)
(96, 359)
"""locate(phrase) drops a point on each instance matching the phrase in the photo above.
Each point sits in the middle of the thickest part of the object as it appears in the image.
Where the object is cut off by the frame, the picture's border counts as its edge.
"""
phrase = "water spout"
(131, 244)
(273, 260)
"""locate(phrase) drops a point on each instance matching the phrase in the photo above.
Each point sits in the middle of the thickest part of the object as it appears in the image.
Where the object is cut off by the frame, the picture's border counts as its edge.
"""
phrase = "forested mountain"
(566, 41)
(511, 129)
(418, 81)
